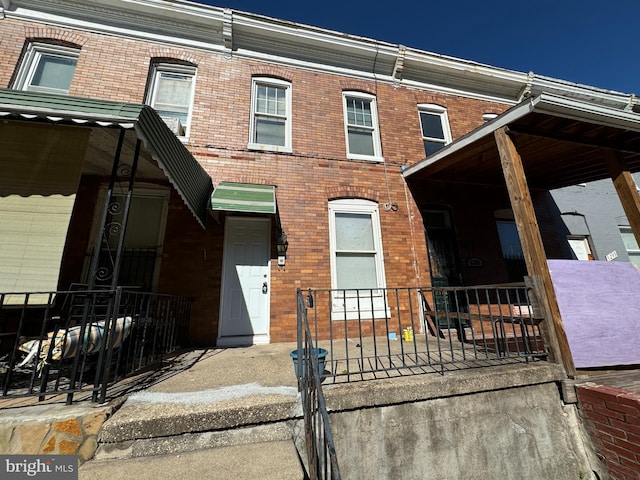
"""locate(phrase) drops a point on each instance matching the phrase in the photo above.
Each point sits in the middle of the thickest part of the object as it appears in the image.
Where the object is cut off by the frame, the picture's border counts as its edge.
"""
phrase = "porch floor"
(271, 366)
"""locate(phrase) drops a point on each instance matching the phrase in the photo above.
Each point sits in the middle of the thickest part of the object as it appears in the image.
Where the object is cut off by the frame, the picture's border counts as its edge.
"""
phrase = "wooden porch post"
(532, 246)
(626, 189)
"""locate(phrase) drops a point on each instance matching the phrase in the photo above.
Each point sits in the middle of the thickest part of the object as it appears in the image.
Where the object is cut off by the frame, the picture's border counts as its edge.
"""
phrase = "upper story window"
(170, 93)
(435, 127)
(47, 68)
(361, 126)
(270, 115)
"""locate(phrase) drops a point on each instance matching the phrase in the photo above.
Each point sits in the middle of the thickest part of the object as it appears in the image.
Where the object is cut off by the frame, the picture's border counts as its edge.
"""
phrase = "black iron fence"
(381, 333)
(80, 340)
(322, 461)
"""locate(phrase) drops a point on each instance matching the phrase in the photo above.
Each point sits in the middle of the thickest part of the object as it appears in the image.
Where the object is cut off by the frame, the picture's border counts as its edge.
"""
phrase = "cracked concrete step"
(273, 460)
(188, 442)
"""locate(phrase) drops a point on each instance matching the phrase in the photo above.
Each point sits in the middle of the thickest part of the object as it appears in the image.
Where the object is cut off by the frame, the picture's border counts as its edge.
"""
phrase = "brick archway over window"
(335, 193)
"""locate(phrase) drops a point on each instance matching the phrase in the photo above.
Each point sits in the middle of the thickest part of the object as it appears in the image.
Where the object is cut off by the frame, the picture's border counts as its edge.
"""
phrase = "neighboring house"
(596, 225)
(306, 134)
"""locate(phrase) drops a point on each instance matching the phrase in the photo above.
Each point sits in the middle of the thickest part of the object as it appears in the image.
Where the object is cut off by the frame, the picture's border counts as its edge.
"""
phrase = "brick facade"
(117, 68)
(613, 420)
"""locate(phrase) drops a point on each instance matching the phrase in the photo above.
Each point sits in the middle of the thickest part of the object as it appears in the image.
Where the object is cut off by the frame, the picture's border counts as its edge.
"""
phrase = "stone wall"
(54, 429)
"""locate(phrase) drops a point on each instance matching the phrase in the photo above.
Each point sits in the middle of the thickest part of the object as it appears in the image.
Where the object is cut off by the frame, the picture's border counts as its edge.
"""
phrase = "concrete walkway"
(271, 461)
(235, 413)
(219, 413)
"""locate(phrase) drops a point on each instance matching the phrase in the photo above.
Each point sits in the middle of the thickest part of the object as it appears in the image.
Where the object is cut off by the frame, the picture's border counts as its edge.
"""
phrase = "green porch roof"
(183, 171)
(244, 197)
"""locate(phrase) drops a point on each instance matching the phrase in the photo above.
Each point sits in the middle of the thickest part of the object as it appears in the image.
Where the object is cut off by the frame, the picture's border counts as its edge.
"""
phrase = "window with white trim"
(361, 126)
(357, 266)
(170, 93)
(580, 246)
(47, 68)
(435, 127)
(630, 244)
(270, 127)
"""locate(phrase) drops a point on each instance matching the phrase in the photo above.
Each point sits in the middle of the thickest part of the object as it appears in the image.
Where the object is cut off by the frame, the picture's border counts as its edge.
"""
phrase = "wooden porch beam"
(626, 189)
(534, 254)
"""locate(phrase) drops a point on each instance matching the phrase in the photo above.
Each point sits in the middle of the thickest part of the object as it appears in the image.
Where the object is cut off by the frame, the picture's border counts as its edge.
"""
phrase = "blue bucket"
(320, 352)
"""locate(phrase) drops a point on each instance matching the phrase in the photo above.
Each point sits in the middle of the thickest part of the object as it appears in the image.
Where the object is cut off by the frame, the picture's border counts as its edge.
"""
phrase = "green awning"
(183, 171)
(244, 197)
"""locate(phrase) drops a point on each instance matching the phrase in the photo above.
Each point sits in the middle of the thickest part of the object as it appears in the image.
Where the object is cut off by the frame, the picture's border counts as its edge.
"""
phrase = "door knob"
(264, 287)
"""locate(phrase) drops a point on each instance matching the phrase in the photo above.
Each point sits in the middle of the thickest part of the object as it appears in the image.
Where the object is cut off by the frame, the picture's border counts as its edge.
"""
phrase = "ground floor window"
(142, 247)
(357, 268)
(630, 244)
(512, 250)
(580, 247)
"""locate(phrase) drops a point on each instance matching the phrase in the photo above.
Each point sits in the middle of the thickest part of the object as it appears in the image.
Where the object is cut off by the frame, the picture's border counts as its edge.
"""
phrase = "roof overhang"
(559, 139)
(182, 170)
(247, 35)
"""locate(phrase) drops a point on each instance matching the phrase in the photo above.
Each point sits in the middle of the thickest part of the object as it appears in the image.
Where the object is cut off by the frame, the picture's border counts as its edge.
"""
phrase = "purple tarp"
(600, 307)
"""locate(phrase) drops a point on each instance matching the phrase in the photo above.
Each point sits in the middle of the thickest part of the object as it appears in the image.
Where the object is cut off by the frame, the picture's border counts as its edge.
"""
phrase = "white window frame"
(277, 83)
(178, 69)
(581, 247)
(436, 110)
(348, 307)
(374, 129)
(634, 254)
(30, 63)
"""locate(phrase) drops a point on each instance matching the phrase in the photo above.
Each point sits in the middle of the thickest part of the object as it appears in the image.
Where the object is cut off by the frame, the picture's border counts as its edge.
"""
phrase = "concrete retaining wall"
(524, 432)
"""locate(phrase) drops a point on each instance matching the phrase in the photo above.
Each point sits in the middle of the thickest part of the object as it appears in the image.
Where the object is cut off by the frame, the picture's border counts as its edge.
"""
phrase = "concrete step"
(273, 460)
(243, 437)
(189, 442)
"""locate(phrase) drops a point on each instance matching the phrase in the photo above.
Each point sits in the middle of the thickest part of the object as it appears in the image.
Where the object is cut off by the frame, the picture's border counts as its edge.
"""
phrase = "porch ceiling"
(560, 141)
(163, 156)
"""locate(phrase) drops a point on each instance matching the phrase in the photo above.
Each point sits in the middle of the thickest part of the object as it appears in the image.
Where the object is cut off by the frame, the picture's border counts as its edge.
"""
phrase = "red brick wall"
(613, 419)
(115, 68)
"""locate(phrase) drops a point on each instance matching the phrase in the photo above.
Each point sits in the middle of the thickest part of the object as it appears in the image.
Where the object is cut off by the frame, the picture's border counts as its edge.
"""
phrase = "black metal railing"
(381, 333)
(322, 461)
(137, 267)
(66, 342)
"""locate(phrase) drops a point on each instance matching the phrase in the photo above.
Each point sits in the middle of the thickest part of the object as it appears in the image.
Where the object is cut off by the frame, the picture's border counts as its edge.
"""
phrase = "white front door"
(244, 310)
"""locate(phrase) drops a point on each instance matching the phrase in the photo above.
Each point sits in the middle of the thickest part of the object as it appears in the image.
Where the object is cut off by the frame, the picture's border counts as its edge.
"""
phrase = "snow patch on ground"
(212, 395)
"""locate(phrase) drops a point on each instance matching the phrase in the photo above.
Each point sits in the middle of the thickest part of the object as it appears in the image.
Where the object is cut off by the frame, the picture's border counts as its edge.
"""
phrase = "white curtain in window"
(53, 72)
(355, 251)
(173, 95)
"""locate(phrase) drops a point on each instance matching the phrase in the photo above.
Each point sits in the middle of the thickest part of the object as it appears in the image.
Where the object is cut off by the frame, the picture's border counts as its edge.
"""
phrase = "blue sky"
(593, 42)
